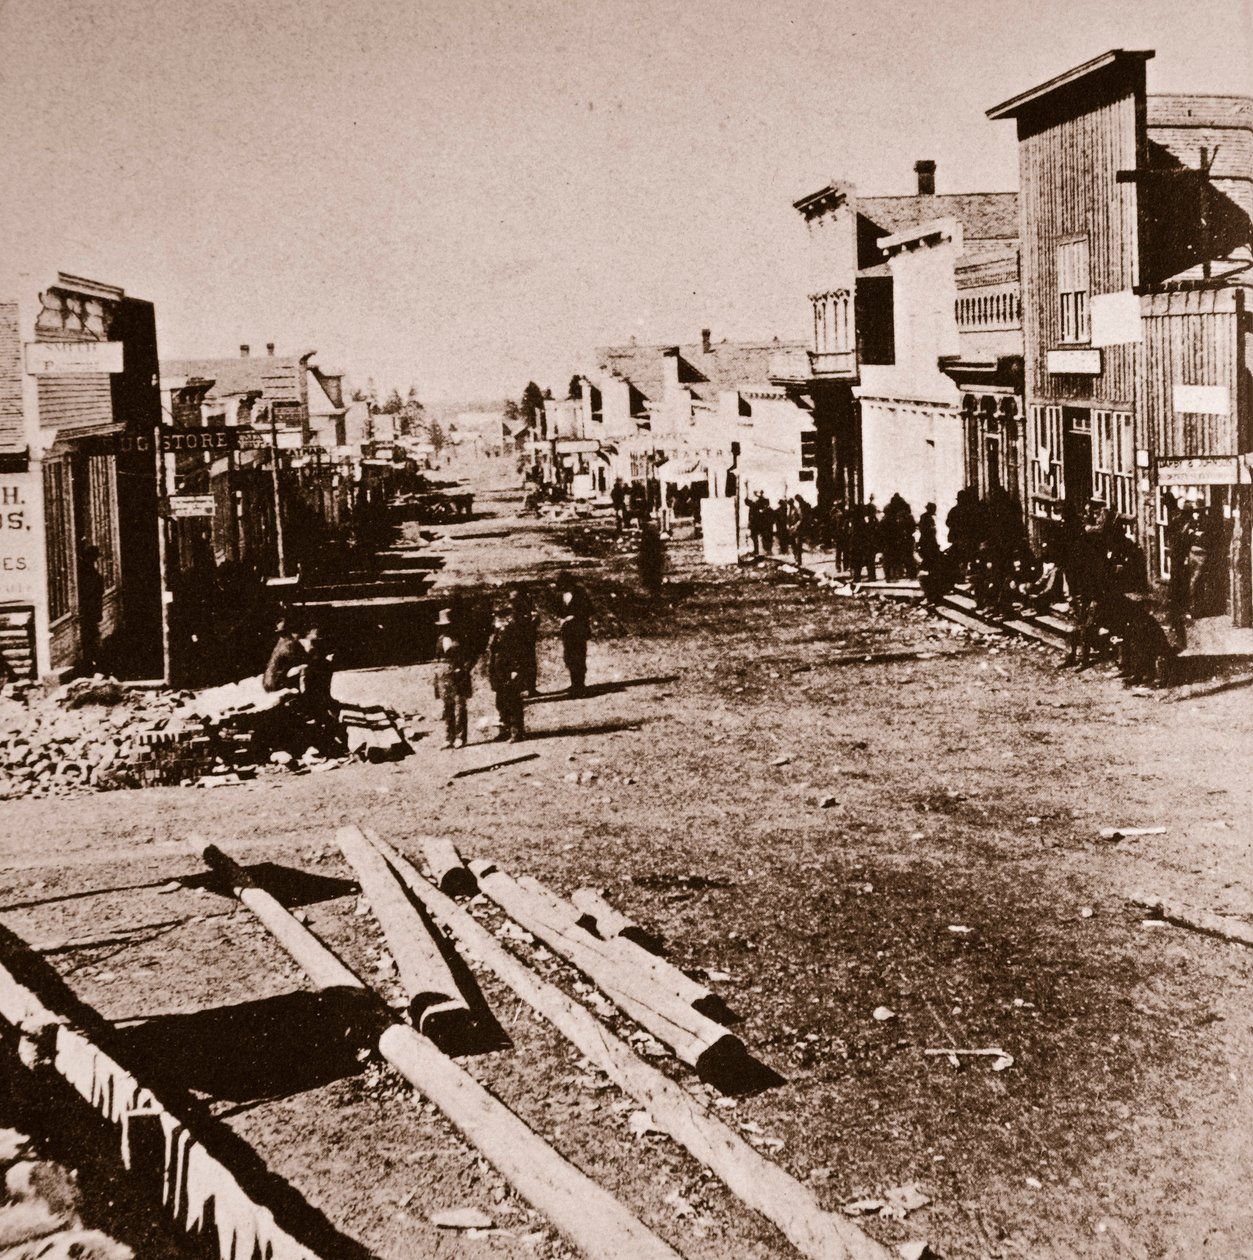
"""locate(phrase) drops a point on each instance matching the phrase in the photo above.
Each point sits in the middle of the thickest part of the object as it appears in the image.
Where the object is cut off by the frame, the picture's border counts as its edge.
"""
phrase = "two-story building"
(79, 411)
(1137, 268)
(706, 415)
(886, 310)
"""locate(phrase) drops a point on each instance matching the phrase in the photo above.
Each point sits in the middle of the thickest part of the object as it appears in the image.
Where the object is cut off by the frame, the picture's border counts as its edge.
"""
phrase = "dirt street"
(820, 840)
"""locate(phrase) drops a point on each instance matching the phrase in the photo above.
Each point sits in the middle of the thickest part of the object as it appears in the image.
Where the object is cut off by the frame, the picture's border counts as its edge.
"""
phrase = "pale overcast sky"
(465, 195)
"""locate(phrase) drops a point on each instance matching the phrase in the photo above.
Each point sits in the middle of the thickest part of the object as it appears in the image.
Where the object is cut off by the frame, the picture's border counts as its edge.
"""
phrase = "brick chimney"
(269, 348)
(243, 352)
(706, 345)
(925, 170)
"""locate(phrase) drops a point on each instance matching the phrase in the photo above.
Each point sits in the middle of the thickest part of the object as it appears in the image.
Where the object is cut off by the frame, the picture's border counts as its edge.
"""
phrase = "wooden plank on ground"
(695, 1039)
(661, 973)
(435, 1001)
(755, 1180)
(584, 1212)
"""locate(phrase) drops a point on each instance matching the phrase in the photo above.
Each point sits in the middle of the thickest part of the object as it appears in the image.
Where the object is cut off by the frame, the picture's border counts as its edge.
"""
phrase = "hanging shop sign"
(1198, 471)
(182, 507)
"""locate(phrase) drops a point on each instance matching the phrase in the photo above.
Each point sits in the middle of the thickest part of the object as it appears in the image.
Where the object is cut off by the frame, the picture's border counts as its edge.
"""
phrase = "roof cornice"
(1116, 56)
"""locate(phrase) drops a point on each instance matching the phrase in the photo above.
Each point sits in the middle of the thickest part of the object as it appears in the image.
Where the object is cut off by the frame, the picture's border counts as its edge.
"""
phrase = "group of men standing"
(786, 522)
(512, 658)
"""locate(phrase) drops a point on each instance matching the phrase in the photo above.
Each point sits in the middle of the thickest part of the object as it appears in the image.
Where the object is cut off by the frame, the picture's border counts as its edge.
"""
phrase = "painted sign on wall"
(19, 572)
(72, 358)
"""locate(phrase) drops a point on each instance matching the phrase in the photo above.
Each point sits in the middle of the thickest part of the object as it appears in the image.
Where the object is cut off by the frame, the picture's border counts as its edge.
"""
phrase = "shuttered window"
(101, 524)
(1048, 485)
(1073, 291)
(1113, 459)
(59, 539)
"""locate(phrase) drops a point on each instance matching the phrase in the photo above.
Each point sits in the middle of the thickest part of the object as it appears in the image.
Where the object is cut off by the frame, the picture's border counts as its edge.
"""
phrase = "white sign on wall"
(1198, 471)
(69, 358)
(1074, 362)
(1203, 400)
(19, 573)
(1115, 319)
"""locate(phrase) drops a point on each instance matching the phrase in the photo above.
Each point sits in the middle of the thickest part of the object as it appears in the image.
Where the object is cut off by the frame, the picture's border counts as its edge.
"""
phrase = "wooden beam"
(450, 873)
(435, 1001)
(609, 922)
(580, 1209)
(694, 1038)
(661, 973)
(319, 964)
(756, 1181)
(589, 1216)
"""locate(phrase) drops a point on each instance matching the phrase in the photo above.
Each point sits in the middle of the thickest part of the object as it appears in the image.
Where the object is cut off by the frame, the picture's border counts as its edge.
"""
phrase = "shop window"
(1047, 483)
(100, 528)
(1072, 288)
(1113, 462)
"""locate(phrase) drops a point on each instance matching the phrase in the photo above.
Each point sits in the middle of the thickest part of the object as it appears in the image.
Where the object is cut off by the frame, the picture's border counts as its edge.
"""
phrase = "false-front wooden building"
(1136, 274)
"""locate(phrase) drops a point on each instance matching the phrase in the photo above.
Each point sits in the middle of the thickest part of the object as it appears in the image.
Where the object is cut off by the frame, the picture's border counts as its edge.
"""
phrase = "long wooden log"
(1206, 921)
(694, 1038)
(588, 1215)
(661, 973)
(321, 966)
(756, 1181)
(608, 921)
(580, 1209)
(435, 1001)
(450, 873)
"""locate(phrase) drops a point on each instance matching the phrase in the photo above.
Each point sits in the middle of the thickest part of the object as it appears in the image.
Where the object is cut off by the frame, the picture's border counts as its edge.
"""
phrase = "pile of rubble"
(40, 1213)
(96, 734)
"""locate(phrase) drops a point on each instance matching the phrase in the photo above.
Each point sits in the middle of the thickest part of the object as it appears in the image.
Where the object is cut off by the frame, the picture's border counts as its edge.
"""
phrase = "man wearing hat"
(576, 629)
(453, 683)
(506, 671)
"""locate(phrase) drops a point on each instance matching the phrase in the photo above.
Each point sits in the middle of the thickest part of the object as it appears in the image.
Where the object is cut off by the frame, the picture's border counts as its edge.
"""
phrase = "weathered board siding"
(1192, 339)
(1068, 168)
(75, 402)
(12, 430)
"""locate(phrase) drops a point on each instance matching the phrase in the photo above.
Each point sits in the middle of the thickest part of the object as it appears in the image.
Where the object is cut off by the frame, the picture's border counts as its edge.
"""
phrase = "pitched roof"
(728, 365)
(983, 216)
(277, 378)
(1067, 80)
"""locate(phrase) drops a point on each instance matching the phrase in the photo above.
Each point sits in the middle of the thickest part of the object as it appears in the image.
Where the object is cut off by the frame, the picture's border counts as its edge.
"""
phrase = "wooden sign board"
(189, 506)
(73, 358)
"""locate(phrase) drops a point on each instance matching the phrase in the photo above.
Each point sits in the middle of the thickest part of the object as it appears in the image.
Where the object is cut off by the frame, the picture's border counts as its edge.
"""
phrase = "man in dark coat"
(523, 613)
(506, 667)
(576, 629)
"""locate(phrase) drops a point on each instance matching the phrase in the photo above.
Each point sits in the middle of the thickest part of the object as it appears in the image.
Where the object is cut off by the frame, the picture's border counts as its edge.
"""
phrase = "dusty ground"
(968, 793)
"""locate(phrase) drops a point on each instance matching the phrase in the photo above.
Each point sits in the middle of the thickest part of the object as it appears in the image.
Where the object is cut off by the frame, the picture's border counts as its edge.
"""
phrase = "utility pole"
(167, 596)
(278, 497)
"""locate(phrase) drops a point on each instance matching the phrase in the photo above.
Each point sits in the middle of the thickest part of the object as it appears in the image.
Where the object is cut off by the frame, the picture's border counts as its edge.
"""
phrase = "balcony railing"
(793, 365)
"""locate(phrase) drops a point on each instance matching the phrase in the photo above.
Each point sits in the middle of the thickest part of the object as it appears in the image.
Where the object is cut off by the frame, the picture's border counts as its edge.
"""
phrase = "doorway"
(1077, 459)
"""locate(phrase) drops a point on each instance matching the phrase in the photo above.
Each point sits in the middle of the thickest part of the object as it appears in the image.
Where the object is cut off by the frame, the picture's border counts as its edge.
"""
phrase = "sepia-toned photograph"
(626, 630)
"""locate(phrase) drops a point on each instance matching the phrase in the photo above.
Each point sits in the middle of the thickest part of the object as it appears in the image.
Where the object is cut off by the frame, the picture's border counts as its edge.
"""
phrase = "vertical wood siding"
(1068, 169)
(1190, 339)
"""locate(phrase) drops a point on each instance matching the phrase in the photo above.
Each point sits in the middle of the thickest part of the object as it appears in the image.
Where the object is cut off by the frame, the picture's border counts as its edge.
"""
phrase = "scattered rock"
(883, 1013)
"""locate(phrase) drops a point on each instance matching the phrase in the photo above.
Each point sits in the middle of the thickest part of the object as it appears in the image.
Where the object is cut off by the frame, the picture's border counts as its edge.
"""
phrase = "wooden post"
(695, 1039)
(1229, 929)
(758, 1182)
(435, 1001)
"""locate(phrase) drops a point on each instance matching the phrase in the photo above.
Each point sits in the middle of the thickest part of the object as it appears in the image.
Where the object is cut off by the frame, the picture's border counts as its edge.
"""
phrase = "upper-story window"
(1073, 288)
